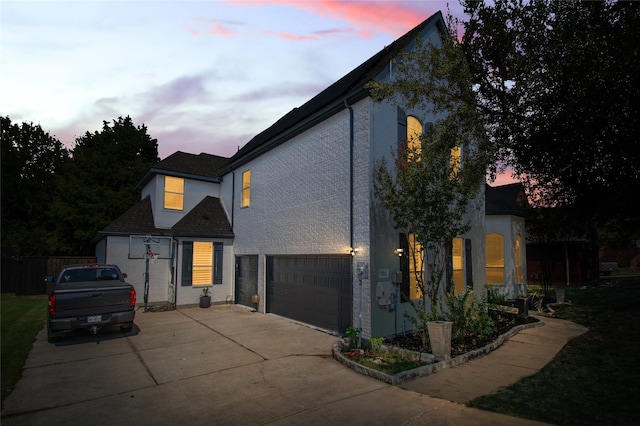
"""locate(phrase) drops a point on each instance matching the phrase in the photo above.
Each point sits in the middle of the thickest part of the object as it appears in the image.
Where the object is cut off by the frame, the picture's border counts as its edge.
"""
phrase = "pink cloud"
(289, 36)
(392, 17)
(218, 29)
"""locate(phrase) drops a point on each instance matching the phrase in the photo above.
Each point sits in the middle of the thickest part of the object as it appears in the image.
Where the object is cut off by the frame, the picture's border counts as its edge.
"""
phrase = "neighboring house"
(506, 253)
(292, 216)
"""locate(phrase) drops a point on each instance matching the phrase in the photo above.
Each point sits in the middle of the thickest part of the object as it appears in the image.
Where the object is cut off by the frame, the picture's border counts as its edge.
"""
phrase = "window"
(173, 193)
(455, 160)
(414, 132)
(519, 278)
(201, 263)
(246, 188)
(457, 260)
(495, 258)
(416, 262)
(411, 263)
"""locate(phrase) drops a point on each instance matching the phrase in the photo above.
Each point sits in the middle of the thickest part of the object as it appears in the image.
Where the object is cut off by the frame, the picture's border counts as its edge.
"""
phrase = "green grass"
(595, 379)
(22, 317)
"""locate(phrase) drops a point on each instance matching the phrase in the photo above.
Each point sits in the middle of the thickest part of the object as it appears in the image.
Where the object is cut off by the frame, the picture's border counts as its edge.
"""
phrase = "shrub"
(469, 315)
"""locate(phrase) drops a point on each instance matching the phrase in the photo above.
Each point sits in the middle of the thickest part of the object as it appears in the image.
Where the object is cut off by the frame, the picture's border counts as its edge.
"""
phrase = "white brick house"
(296, 219)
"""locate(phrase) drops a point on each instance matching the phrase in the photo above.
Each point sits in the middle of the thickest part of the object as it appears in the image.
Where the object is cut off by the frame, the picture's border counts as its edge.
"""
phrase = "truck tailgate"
(80, 299)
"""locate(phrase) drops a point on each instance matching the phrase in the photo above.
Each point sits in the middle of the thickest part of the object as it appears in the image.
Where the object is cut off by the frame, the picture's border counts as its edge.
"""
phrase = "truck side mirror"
(124, 275)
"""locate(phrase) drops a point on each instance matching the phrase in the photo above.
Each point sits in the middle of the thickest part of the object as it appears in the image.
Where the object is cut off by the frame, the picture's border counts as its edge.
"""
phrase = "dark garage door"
(312, 289)
(246, 279)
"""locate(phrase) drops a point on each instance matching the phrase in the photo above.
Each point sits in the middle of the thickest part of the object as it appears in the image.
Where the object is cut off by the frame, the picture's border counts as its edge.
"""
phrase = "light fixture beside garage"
(354, 251)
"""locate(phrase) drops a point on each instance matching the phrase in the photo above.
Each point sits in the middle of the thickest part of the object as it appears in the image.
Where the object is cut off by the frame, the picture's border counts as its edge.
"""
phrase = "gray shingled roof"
(506, 199)
(207, 219)
(203, 166)
(137, 220)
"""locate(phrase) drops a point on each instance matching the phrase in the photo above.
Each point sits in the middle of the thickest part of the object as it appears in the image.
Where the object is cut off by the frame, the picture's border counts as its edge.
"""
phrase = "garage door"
(312, 289)
(246, 279)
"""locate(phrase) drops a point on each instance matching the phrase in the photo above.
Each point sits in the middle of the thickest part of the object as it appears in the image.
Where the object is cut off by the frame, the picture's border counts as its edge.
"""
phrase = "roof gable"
(207, 219)
(349, 88)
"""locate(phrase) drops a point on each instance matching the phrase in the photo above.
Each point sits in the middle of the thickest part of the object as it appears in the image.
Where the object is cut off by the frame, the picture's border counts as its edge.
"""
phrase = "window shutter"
(402, 129)
(404, 268)
(468, 263)
(187, 263)
(217, 263)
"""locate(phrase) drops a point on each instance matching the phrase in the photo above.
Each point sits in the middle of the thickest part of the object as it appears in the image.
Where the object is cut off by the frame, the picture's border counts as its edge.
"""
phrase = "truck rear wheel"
(126, 328)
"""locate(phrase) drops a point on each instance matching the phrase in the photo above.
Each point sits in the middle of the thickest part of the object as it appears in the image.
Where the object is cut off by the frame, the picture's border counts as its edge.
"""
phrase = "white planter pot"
(560, 295)
(440, 338)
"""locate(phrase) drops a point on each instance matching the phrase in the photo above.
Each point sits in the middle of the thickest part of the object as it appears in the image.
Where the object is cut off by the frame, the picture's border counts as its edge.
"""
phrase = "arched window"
(495, 258)
(414, 132)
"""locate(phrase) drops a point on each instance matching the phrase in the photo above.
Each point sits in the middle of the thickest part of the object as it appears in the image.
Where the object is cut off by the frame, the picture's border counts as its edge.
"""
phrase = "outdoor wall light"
(354, 251)
(399, 252)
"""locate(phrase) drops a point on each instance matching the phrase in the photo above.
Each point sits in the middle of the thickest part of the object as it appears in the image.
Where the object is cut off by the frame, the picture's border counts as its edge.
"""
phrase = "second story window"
(414, 133)
(455, 160)
(246, 188)
(173, 193)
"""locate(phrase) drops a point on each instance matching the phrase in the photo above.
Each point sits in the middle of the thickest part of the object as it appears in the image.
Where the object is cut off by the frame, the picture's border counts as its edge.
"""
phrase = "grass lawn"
(21, 319)
(595, 379)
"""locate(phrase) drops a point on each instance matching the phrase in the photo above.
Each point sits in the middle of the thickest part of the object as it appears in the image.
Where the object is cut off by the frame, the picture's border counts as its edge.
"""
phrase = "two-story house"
(292, 216)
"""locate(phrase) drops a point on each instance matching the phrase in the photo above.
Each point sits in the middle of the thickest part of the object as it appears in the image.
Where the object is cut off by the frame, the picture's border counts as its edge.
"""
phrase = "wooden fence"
(24, 275)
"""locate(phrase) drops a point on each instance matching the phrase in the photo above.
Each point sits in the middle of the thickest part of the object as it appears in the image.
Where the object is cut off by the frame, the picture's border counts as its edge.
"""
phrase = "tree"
(427, 191)
(559, 89)
(30, 159)
(97, 185)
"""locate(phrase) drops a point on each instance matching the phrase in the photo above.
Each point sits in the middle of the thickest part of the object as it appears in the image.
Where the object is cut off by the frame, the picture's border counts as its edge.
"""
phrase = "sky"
(202, 76)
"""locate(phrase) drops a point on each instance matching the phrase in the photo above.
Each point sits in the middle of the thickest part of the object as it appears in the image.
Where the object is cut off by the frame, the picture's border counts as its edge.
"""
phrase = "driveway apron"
(224, 365)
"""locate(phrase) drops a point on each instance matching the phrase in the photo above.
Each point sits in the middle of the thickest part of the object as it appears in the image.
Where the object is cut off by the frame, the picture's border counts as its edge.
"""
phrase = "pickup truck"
(89, 296)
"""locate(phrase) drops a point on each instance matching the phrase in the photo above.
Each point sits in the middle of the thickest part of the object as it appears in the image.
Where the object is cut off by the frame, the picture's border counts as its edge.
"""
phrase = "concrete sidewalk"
(521, 356)
(228, 365)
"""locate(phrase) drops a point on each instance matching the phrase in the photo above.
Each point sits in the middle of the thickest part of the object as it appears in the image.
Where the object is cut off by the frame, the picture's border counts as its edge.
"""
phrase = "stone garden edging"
(424, 370)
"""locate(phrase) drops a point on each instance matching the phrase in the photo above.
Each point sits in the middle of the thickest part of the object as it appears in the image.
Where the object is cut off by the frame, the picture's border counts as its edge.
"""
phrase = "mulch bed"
(504, 322)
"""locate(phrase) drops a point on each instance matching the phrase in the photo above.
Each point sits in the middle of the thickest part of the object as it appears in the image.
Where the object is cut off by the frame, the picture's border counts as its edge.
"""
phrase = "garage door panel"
(312, 289)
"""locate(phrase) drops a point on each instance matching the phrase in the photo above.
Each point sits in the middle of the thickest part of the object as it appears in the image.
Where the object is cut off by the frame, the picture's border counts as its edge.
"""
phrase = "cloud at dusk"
(202, 76)
(391, 17)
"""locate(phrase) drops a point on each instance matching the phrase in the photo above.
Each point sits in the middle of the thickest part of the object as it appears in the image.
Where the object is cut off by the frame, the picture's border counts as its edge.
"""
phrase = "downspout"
(233, 195)
(346, 104)
(351, 141)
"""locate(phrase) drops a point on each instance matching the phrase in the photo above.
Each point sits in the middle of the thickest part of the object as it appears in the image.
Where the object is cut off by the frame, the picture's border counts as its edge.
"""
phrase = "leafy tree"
(97, 185)
(30, 159)
(559, 85)
(425, 191)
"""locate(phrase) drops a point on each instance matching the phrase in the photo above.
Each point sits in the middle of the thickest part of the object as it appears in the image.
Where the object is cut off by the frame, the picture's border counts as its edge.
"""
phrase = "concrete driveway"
(223, 365)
